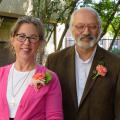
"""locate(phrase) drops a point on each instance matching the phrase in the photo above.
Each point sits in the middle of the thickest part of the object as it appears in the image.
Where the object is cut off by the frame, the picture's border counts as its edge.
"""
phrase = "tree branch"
(110, 18)
(116, 33)
(66, 25)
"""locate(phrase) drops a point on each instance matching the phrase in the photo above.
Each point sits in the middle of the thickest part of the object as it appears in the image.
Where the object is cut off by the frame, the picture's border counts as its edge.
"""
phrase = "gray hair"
(28, 19)
(89, 9)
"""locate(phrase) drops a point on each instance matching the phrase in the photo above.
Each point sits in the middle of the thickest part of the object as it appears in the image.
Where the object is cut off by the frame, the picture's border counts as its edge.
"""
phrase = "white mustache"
(90, 37)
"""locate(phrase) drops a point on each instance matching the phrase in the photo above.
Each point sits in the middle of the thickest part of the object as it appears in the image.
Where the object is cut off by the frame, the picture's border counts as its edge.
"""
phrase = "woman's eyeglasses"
(23, 38)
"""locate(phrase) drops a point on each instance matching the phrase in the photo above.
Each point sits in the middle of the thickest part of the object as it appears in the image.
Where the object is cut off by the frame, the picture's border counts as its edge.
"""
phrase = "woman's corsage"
(100, 71)
(41, 79)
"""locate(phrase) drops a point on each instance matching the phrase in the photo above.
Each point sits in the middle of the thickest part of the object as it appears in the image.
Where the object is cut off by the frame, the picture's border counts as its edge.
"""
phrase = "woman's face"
(26, 42)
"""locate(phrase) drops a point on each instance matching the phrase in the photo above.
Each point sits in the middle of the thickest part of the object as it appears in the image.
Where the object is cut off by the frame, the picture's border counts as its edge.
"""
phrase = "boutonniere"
(101, 70)
(41, 79)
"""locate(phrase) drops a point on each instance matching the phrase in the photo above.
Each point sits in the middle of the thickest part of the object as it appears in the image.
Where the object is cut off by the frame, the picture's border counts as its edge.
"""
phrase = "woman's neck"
(24, 66)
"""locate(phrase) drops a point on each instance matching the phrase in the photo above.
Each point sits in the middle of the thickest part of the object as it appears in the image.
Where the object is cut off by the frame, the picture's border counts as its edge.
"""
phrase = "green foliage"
(53, 11)
(105, 9)
(115, 25)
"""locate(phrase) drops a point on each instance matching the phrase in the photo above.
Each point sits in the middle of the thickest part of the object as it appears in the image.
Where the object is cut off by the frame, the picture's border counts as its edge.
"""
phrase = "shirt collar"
(88, 60)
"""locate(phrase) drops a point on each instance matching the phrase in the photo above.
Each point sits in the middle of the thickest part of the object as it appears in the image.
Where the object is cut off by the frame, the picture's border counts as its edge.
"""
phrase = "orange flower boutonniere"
(41, 79)
(100, 71)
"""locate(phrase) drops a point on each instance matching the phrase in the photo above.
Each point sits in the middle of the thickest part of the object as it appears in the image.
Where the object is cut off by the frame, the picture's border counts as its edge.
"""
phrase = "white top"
(82, 70)
(17, 84)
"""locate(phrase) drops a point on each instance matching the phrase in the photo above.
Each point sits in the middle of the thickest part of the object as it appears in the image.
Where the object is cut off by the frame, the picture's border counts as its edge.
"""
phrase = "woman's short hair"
(28, 19)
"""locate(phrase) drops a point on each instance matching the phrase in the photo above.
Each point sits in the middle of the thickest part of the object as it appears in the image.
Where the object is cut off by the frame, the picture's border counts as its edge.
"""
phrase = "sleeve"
(1, 73)
(117, 99)
(54, 101)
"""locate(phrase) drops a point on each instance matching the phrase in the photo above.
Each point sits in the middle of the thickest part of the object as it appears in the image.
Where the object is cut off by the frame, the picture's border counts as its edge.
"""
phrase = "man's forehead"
(83, 12)
(85, 16)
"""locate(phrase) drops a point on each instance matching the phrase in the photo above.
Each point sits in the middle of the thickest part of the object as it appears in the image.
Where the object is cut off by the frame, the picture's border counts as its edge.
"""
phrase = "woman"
(28, 91)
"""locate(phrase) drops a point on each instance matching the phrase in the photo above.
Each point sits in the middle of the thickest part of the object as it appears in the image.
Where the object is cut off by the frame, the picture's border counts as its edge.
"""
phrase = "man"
(89, 75)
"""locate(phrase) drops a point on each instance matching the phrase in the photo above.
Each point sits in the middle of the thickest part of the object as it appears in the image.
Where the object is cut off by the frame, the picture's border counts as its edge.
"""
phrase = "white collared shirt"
(82, 70)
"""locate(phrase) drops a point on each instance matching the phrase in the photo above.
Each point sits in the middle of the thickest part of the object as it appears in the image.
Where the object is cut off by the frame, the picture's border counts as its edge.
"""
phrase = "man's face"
(85, 29)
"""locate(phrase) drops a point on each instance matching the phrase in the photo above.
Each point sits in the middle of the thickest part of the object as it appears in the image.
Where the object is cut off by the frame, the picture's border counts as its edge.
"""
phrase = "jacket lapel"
(70, 71)
(90, 82)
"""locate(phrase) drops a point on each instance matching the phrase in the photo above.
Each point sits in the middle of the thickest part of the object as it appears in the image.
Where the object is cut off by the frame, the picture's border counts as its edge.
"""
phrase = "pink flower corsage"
(40, 79)
(100, 70)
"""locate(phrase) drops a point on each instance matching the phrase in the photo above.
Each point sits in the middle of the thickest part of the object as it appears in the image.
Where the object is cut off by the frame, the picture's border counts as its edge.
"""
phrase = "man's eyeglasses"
(23, 38)
(81, 27)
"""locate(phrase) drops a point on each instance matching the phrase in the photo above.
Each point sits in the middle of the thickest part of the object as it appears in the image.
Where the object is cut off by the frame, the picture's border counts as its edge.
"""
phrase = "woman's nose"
(27, 41)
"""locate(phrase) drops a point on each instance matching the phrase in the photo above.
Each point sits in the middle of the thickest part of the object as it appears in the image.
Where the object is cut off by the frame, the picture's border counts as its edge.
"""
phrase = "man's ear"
(99, 35)
(101, 31)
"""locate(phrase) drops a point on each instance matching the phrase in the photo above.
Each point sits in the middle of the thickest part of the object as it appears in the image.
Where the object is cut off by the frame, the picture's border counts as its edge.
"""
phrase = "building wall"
(19, 7)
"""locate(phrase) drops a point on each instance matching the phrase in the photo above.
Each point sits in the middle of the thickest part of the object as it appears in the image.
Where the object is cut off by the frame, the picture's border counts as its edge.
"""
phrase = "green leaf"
(47, 77)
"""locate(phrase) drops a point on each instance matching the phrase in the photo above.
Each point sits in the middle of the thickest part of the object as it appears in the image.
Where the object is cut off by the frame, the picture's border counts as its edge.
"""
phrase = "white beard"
(86, 46)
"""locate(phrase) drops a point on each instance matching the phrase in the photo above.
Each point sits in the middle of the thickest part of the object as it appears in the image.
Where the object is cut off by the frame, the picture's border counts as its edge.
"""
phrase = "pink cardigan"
(45, 104)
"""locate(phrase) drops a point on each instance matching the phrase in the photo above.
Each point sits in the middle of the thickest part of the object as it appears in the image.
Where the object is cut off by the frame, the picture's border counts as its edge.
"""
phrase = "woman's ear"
(11, 40)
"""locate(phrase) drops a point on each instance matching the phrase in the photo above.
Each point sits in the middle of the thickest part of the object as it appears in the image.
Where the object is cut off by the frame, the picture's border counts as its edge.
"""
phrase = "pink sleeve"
(54, 100)
(1, 73)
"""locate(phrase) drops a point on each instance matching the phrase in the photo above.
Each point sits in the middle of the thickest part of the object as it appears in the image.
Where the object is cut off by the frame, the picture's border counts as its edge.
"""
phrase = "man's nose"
(86, 30)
